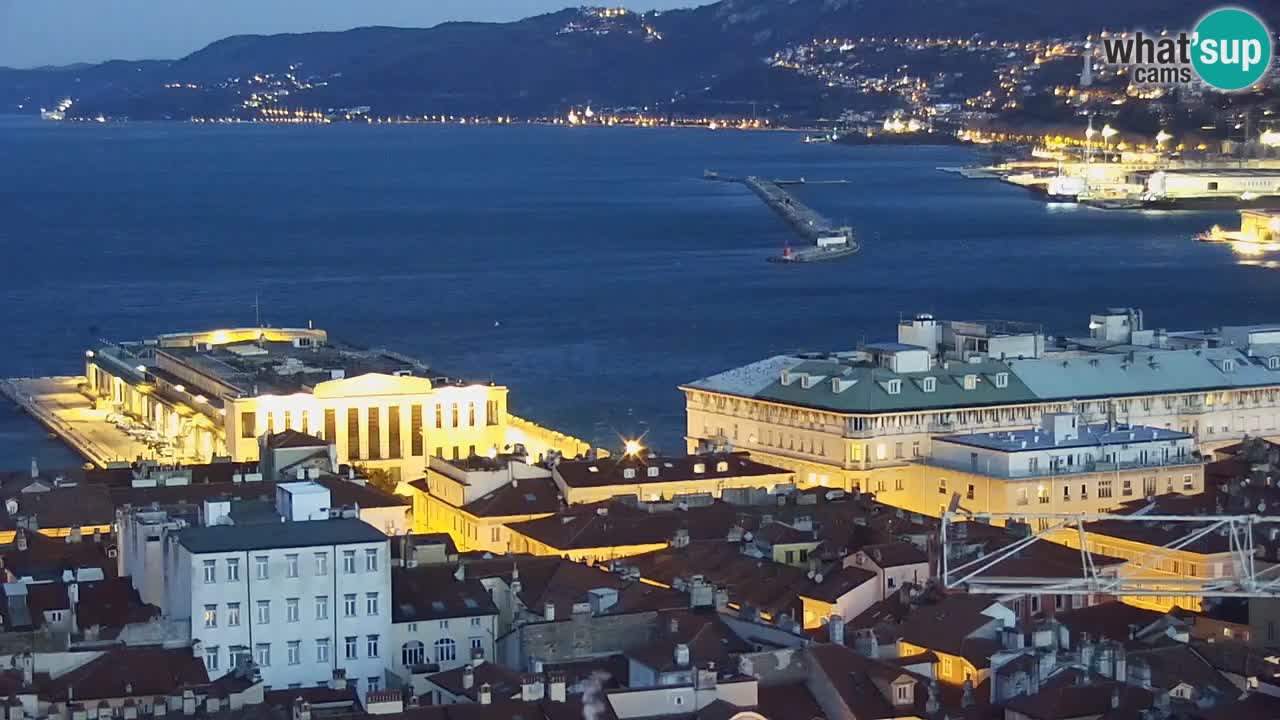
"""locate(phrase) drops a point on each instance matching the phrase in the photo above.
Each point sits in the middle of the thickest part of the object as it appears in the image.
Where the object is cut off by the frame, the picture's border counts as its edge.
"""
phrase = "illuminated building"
(1062, 466)
(475, 499)
(861, 419)
(214, 393)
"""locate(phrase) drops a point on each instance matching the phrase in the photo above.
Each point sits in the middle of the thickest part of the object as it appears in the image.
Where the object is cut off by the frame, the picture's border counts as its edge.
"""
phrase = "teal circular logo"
(1231, 49)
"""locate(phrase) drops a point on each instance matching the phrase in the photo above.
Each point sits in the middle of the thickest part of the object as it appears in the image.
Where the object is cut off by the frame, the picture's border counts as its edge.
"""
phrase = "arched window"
(446, 650)
(413, 653)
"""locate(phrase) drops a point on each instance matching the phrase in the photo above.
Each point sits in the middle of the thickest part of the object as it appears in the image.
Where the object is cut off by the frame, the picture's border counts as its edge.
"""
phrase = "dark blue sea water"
(591, 270)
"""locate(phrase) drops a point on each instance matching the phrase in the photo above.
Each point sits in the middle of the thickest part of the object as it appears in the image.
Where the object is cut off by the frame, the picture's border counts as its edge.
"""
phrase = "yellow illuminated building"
(214, 393)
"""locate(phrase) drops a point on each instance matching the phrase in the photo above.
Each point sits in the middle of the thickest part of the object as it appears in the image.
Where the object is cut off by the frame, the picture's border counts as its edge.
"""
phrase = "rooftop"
(312, 533)
(1033, 440)
(433, 592)
(633, 469)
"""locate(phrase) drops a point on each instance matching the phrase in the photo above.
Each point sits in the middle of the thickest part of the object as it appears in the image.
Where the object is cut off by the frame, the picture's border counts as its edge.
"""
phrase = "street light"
(1271, 138)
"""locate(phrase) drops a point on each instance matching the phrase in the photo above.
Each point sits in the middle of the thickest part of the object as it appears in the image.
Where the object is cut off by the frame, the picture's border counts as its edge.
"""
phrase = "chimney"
(76, 535)
(468, 677)
(531, 688)
(556, 688)
(966, 697)
(160, 708)
(1115, 697)
(549, 611)
(28, 669)
(301, 709)
(477, 657)
(835, 628)
(682, 655)
(721, 599)
(338, 681)
(673, 625)
(486, 694)
(73, 603)
(188, 703)
(22, 540)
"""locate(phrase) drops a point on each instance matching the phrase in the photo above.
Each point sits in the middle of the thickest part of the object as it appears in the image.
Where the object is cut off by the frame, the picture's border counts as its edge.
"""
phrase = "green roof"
(306, 533)
(862, 388)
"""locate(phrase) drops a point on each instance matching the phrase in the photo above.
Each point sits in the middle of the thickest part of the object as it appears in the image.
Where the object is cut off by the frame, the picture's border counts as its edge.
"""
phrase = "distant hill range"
(707, 57)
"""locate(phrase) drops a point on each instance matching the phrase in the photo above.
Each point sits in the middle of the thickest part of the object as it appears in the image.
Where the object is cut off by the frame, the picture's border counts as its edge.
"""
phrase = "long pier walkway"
(807, 222)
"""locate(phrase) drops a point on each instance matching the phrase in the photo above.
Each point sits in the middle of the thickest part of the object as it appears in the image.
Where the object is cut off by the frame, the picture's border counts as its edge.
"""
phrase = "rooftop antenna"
(257, 311)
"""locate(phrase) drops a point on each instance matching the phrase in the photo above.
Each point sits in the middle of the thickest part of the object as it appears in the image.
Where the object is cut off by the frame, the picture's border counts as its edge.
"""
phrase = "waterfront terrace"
(847, 419)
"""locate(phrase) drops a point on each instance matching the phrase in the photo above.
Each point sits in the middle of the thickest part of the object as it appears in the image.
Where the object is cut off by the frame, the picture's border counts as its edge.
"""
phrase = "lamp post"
(1108, 132)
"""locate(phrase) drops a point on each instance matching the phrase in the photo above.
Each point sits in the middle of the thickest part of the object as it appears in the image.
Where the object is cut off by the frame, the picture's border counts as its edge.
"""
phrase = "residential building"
(655, 478)
(1062, 466)
(300, 598)
(895, 565)
(215, 393)
(439, 617)
(962, 631)
(859, 419)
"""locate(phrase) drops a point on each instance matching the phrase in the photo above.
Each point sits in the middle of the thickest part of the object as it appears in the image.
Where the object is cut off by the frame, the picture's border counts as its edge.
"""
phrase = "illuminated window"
(375, 434)
(248, 425)
(471, 414)
(491, 412)
(415, 431)
(439, 416)
(353, 433)
(331, 425)
(393, 432)
(453, 411)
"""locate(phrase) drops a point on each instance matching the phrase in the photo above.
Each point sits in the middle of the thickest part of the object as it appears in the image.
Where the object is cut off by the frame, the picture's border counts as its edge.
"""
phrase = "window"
(306, 422)
(210, 571)
(946, 666)
(322, 563)
(894, 387)
(477, 643)
(970, 382)
(351, 647)
(260, 567)
(349, 605)
(1187, 484)
(233, 570)
(446, 650)
(322, 607)
(491, 410)
(942, 486)
(264, 612)
(1126, 488)
(248, 425)
(444, 624)
(471, 414)
(1066, 492)
(294, 652)
(930, 384)
(1273, 363)
(371, 646)
(439, 416)
(331, 425)
(475, 621)
(901, 692)
(915, 449)
(413, 653)
(393, 432)
(349, 562)
(453, 410)
(322, 650)
(371, 603)
(233, 614)
(969, 494)
(1022, 496)
(415, 431)
(371, 560)
(1002, 380)
(211, 616)
(211, 658)
(1104, 489)
(375, 683)
(291, 565)
(291, 610)
(262, 651)
(375, 434)
(353, 433)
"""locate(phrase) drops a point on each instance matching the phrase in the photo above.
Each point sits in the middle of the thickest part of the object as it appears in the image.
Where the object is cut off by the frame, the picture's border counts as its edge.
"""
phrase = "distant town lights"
(1271, 138)
(632, 448)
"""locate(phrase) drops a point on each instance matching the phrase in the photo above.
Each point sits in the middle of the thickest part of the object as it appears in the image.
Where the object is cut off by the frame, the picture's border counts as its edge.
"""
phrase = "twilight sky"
(58, 32)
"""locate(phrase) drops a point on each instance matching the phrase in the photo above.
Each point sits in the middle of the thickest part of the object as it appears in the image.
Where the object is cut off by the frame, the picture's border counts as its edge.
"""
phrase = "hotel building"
(863, 418)
(215, 393)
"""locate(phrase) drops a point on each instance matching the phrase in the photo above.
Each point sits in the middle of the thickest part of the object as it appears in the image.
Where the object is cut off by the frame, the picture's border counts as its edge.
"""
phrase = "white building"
(439, 617)
(299, 598)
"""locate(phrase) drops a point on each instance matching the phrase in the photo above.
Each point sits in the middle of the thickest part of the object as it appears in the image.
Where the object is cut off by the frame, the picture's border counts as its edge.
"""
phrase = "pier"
(807, 222)
(58, 404)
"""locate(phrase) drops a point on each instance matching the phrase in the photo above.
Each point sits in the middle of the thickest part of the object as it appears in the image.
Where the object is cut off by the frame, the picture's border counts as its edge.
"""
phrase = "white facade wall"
(434, 636)
(312, 589)
(1041, 461)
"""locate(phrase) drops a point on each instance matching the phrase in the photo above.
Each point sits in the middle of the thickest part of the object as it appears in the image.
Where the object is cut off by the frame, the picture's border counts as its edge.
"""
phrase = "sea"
(591, 270)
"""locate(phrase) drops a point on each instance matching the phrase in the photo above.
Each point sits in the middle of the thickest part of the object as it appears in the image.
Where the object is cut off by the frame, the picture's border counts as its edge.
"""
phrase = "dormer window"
(722, 466)
(930, 384)
(970, 382)
(903, 692)
(628, 473)
(699, 468)
(1228, 365)
(894, 387)
(1274, 363)
(1002, 380)
(653, 471)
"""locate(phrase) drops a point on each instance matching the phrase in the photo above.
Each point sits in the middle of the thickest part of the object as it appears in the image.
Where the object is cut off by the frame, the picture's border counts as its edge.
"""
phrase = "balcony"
(1065, 471)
